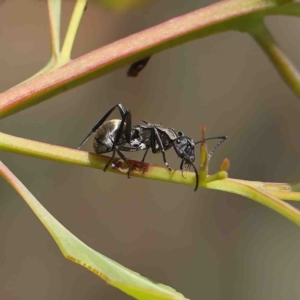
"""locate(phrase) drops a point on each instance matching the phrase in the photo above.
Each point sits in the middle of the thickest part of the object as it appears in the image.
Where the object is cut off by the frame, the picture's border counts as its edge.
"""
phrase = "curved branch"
(262, 197)
(219, 17)
(54, 10)
(72, 30)
(285, 67)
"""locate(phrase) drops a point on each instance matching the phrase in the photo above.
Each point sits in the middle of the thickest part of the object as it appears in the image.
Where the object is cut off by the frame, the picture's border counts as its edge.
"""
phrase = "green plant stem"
(54, 10)
(27, 147)
(76, 157)
(216, 18)
(78, 11)
(258, 195)
(285, 67)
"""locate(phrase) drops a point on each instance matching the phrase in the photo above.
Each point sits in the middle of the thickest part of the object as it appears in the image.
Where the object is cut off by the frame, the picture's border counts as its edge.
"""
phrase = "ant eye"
(178, 141)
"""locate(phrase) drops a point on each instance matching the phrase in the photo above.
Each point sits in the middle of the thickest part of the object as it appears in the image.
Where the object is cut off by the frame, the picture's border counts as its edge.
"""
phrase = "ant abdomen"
(105, 136)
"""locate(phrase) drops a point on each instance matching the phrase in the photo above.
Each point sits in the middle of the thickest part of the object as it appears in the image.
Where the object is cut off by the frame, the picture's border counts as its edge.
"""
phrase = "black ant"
(119, 135)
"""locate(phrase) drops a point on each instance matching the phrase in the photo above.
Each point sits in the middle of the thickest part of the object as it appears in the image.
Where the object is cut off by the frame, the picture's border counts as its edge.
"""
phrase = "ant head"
(185, 148)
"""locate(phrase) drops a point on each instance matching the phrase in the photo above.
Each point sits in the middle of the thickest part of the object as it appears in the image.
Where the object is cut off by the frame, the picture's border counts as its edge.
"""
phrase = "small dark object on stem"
(137, 67)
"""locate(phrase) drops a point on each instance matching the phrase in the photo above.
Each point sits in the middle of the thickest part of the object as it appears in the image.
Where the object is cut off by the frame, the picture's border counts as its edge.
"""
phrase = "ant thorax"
(144, 136)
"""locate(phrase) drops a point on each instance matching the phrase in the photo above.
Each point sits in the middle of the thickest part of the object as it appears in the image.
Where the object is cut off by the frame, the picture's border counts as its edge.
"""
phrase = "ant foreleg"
(145, 155)
(187, 158)
(181, 168)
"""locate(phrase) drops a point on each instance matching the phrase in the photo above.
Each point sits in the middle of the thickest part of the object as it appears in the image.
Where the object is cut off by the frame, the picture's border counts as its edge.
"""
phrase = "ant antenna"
(222, 138)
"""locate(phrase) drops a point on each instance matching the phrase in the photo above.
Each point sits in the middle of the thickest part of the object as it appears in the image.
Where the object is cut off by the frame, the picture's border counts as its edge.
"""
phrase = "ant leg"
(161, 147)
(116, 149)
(181, 168)
(127, 132)
(120, 129)
(125, 160)
(145, 155)
(187, 158)
(111, 159)
(103, 119)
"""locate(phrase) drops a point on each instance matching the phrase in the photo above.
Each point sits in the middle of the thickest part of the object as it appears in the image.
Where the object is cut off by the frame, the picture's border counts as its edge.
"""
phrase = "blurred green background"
(208, 244)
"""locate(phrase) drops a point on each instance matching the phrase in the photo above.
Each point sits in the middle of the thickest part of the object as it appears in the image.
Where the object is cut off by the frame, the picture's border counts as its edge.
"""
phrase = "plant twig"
(54, 10)
(285, 67)
(216, 18)
(78, 11)
(27, 147)
(258, 195)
